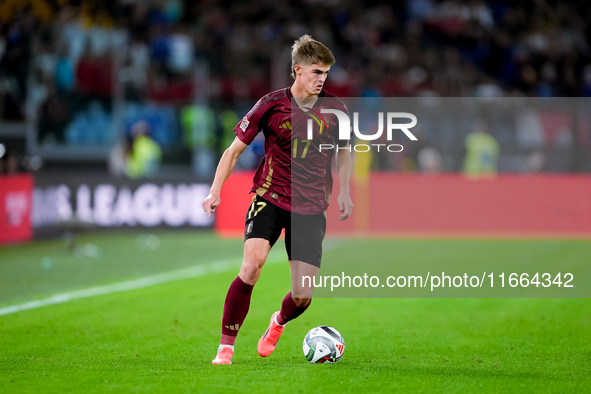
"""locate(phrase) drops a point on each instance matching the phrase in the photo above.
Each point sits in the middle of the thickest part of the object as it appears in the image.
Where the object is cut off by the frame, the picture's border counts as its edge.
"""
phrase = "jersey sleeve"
(248, 128)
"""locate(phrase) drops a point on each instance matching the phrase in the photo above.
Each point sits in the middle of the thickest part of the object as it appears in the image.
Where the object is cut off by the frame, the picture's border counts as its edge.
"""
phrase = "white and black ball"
(323, 344)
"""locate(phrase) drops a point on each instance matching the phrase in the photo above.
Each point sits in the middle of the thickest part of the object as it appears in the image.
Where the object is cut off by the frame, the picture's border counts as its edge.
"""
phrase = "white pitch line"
(140, 283)
(147, 281)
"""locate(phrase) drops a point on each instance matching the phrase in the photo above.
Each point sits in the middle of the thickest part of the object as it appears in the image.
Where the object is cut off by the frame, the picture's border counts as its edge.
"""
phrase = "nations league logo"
(345, 130)
(17, 207)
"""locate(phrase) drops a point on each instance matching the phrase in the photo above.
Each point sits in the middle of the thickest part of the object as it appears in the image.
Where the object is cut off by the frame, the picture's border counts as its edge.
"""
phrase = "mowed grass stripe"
(162, 339)
(275, 256)
(42, 269)
(153, 280)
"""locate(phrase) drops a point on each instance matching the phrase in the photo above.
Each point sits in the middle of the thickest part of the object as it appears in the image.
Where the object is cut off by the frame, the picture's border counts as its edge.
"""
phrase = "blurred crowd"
(58, 58)
(447, 48)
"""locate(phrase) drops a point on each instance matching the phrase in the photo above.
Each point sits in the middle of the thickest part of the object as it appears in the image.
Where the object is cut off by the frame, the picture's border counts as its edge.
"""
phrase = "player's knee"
(302, 302)
(251, 269)
(255, 260)
(256, 255)
(250, 272)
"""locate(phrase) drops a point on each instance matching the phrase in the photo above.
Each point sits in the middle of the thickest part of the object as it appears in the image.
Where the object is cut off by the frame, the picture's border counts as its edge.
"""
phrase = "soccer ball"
(323, 344)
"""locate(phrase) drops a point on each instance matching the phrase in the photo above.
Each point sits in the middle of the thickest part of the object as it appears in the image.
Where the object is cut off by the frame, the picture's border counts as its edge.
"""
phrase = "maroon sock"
(235, 310)
(289, 309)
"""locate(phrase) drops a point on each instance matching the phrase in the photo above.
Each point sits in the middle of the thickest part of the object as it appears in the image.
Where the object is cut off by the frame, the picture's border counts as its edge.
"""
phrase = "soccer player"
(292, 187)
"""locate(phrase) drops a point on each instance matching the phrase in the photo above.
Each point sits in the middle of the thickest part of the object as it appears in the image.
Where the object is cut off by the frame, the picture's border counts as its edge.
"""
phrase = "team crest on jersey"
(320, 120)
(244, 124)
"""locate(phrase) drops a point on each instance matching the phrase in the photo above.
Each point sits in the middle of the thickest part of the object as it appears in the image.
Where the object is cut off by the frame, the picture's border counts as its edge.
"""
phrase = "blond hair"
(306, 51)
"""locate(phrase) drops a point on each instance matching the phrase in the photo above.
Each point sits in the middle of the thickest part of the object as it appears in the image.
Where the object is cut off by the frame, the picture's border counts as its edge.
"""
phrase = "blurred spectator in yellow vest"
(144, 154)
(482, 151)
(198, 123)
(229, 119)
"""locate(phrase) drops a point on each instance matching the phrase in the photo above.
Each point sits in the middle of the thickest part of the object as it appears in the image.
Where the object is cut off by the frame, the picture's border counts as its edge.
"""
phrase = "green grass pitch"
(163, 338)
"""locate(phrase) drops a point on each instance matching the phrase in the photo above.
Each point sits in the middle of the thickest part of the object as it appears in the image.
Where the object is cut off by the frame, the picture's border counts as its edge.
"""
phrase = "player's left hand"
(345, 205)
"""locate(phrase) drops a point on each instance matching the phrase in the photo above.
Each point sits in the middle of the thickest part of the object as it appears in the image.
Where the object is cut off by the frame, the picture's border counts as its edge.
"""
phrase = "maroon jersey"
(294, 174)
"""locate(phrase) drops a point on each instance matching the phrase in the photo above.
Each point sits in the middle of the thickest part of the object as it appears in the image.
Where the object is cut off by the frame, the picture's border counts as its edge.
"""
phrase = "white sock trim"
(224, 346)
(276, 322)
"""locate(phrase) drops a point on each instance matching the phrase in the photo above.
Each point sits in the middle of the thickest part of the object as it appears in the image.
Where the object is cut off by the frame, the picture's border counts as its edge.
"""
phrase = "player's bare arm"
(344, 165)
(225, 168)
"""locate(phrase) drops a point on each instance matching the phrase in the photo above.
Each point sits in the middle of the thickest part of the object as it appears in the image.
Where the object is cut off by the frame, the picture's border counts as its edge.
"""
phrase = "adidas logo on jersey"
(285, 125)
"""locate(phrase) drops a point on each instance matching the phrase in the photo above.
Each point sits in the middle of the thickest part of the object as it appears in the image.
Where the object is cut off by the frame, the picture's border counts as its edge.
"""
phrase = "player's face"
(312, 77)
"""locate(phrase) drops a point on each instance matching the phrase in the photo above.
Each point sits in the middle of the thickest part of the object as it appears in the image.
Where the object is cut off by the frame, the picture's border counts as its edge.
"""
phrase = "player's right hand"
(211, 202)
